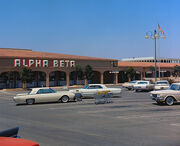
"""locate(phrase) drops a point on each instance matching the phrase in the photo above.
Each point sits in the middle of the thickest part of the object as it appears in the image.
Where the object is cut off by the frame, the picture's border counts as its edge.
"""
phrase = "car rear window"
(45, 91)
(142, 82)
(162, 83)
(132, 82)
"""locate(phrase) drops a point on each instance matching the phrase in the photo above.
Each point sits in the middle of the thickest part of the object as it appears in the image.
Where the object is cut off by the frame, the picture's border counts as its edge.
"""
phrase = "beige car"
(143, 86)
(129, 85)
(37, 95)
(161, 85)
(169, 96)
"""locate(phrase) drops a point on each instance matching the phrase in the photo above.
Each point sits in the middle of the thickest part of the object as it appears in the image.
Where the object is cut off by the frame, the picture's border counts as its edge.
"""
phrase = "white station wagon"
(129, 85)
(37, 95)
(91, 89)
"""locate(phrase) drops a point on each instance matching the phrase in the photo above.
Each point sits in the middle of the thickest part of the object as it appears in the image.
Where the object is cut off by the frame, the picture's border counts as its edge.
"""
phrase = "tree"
(88, 72)
(79, 72)
(176, 71)
(26, 76)
(152, 69)
(131, 72)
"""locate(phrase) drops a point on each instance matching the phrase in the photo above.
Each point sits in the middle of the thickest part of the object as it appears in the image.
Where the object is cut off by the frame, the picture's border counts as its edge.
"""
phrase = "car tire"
(30, 101)
(169, 100)
(64, 99)
(136, 90)
(78, 97)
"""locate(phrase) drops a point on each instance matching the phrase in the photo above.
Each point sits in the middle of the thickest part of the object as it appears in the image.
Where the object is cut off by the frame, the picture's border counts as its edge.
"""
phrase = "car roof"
(96, 84)
(143, 81)
(35, 90)
(162, 81)
(40, 88)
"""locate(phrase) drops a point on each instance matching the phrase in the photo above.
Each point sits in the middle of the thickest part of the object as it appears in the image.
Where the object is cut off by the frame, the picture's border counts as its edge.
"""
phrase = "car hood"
(126, 84)
(161, 85)
(163, 91)
(113, 88)
(22, 94)
(79, 90)
(141, 85)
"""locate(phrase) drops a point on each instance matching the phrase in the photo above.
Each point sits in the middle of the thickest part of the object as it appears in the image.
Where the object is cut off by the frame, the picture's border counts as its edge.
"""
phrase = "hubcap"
(169, 100)
(30, 101)
(64, 99)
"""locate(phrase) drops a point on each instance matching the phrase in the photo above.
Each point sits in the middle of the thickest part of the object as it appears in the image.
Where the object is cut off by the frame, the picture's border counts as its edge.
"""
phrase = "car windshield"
(85, 87)
(174, 87)
(30, 92)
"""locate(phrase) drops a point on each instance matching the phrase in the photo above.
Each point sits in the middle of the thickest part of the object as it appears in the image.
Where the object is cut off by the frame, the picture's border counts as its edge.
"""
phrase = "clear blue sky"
(99, 28)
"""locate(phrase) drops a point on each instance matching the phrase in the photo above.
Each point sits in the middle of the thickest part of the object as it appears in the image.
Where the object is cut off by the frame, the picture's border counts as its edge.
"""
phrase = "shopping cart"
(102, 97)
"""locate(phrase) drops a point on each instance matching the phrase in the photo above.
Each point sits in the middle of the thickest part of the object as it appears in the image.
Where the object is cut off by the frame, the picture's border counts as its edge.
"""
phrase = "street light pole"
(155, 55)
(155, 35)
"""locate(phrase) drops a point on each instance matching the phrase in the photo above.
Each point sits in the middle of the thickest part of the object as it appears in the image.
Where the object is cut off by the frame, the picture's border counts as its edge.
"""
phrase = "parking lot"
(130, 120)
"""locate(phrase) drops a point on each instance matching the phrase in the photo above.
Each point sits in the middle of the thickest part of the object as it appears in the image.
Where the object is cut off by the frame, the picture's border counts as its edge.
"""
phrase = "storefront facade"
(52, 69)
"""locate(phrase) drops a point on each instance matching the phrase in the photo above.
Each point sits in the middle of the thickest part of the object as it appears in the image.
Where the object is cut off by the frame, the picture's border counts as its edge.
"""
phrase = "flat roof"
(27, 53)
(145, 64)
(146, 58)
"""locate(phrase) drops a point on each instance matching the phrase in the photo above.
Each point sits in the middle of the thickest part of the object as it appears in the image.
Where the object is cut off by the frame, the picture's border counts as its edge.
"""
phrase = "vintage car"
(129, 85)
(169, 96)
(9, 141)
(37, 95)
(91, 90)
(143, 86)
(9, 137)
(162, 84)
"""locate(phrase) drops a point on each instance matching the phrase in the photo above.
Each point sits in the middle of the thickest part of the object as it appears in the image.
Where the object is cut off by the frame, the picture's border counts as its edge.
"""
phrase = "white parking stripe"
(149, 116)
(175, 124)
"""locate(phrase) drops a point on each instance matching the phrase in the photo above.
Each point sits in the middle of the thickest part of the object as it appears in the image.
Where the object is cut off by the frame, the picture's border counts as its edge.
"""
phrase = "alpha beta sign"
(43, 63)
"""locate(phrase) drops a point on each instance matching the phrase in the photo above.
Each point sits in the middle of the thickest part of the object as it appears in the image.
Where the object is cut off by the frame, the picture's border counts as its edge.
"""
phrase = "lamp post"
(154, 35)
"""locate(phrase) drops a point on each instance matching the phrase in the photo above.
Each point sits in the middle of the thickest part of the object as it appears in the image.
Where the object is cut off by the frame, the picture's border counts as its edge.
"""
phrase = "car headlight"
(158, 95)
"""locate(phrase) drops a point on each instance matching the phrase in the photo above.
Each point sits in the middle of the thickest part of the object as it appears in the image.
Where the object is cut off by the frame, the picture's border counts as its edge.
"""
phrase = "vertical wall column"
(67, 79)
(171, 73)
(85, 81)
(141, 75)
(116, 78)
(144, 74)
(47, 79)
(102, 78)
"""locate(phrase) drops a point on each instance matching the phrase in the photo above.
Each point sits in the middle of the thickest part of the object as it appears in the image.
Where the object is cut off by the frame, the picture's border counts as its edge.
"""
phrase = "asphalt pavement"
(132, 119)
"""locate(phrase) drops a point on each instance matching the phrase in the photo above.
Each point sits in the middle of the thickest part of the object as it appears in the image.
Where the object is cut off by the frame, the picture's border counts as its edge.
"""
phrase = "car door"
(90, 91)
(100, 88)
(177, 96)
(45, 95)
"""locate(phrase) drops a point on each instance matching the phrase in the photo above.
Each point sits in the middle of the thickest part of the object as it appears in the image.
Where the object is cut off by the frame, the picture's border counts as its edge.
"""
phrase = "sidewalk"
(58, 87)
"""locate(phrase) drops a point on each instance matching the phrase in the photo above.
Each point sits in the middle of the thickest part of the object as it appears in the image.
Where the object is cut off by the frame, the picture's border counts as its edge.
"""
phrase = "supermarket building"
(52, 69)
